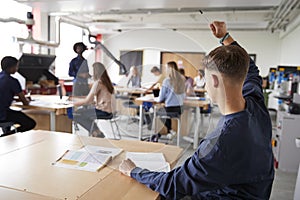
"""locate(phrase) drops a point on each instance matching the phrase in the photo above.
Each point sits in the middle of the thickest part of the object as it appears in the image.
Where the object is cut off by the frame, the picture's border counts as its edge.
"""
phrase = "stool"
(6, 126)
(171, 115)
(112, 121)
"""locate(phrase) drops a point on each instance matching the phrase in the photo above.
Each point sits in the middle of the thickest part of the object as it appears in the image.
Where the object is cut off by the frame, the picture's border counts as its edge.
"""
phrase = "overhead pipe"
(12, 19)
(285, 12)
(281, 12)
(278, 12)
(29, 23)
(294, 5)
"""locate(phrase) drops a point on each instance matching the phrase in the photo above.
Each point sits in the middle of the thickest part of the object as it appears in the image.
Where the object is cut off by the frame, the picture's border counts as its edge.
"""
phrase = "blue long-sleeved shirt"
(168, 95)
(78, 65)
(235, 161)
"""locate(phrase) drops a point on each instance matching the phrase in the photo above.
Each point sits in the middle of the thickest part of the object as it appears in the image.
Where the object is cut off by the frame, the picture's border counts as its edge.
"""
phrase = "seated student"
(172, 93)
(235, 161)
(135, 78)
(199, 81)
(189, 82)
(101, 94)
(9, 87)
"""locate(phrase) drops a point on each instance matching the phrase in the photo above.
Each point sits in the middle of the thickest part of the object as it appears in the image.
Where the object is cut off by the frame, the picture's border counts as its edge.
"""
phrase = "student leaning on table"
(235, 161)
(160, 78)
(9, 87)
(101, 97)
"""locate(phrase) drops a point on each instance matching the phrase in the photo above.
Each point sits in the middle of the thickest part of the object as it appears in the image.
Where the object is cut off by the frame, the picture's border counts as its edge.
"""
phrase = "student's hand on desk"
(127, 166)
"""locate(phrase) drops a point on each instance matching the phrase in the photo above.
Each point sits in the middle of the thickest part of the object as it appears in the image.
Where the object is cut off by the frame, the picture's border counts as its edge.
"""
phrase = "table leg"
(196, 136)
(52, 121)
(154, 121)
(141, 122)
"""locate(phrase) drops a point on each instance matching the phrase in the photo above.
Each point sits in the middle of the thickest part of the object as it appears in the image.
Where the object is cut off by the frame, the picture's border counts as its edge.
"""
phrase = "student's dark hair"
(155, 69)
(100, 73)
(231, 61)
(79, 44)
(181, 71)
(201, 71)
(8, 62)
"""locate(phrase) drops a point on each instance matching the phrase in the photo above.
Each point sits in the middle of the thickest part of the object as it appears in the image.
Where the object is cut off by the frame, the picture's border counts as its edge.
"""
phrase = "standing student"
(101, 96)
(172, 93)
(160, 78)
(9, 87)
(80, 71)
(135, 78)
(189, 82)
(199, 81)
(235, 161)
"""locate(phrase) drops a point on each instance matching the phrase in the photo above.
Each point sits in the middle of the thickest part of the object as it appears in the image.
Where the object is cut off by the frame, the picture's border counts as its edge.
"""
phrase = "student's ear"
(215, 80)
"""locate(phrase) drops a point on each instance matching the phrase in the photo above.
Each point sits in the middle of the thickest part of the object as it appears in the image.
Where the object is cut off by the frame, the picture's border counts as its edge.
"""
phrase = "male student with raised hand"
(235, 160)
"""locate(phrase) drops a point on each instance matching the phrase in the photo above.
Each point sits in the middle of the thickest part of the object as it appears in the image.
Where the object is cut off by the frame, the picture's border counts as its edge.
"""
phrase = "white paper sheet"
(151, 161)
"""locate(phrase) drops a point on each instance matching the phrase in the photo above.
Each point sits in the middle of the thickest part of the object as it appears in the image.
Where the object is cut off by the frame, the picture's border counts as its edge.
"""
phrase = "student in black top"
(9, 87)
(235, 160)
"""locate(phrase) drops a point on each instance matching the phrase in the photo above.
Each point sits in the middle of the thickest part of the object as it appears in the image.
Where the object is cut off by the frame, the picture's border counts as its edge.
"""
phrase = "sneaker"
(155, 137)
(171, 135)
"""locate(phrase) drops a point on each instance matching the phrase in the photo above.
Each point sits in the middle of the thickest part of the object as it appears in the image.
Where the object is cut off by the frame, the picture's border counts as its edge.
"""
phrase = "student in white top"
(135, 78)
(199, 81)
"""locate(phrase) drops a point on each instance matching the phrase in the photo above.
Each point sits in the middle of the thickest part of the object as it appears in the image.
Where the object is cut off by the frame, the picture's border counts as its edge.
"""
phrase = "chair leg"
(92, 127)
(118, 130)
(178, 131)
(119, 133)
(112, 129)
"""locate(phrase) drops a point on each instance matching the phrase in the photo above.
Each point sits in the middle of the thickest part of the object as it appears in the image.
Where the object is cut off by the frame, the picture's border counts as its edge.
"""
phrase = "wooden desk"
(199, 90)
(26, 171)
(50, 103)
(188, 103)
(137, 91)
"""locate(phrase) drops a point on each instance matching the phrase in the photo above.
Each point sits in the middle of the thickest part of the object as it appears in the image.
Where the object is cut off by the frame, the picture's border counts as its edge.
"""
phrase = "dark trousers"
(86, 116)
(26, 123)
(166, 111)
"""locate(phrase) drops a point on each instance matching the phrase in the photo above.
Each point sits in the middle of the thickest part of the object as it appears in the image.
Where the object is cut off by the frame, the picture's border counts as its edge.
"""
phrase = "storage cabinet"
(287, 155)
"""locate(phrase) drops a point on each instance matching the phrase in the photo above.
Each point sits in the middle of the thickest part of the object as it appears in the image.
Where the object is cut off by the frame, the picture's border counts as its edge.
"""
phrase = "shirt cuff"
(135, 172)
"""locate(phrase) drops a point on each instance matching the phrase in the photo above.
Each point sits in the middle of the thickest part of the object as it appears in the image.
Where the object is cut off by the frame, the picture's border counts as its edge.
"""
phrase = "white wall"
(70, 34)
(152, 41)
(290, 48)
(264, 44)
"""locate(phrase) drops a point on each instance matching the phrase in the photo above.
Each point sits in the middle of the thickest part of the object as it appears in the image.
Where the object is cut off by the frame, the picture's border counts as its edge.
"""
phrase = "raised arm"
(253, 82)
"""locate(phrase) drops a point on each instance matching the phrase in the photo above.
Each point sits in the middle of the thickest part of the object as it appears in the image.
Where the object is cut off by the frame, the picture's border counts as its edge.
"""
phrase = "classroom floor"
(283, 185)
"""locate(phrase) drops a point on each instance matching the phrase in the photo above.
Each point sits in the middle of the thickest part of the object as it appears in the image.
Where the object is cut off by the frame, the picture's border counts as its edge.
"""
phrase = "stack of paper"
(88, 158)
(151, 161)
